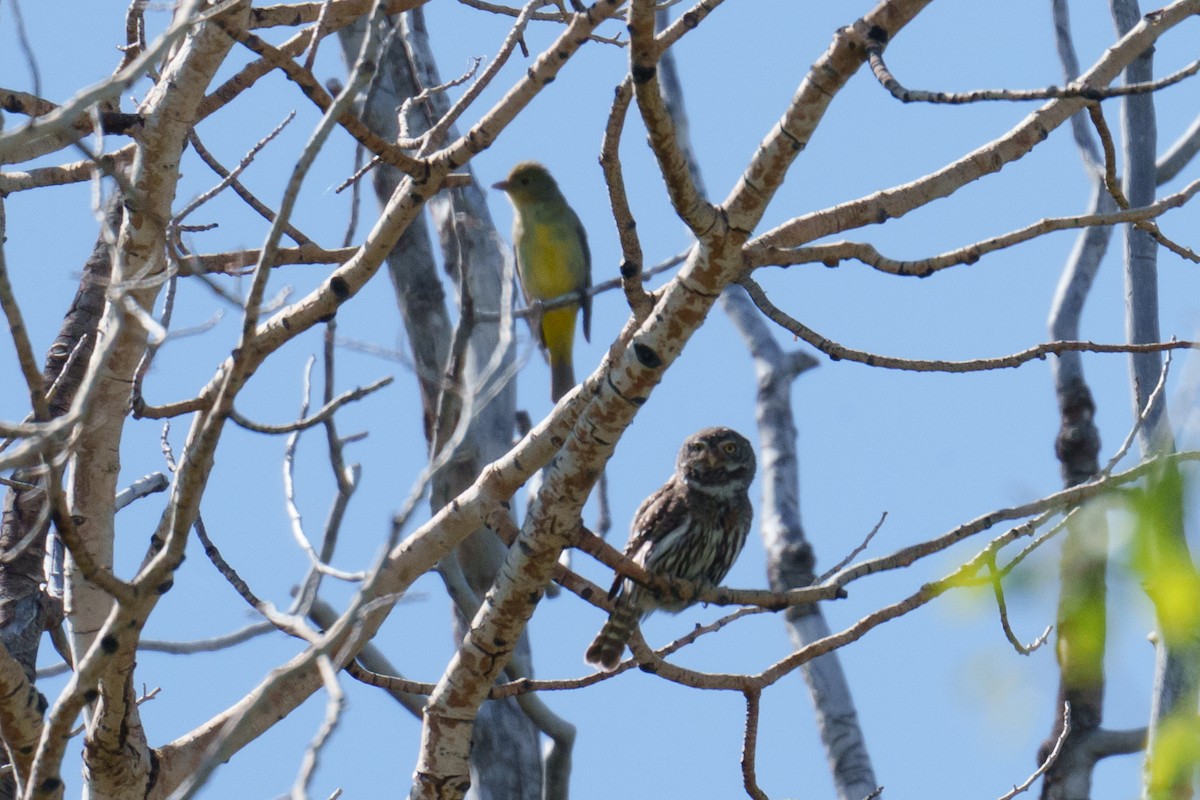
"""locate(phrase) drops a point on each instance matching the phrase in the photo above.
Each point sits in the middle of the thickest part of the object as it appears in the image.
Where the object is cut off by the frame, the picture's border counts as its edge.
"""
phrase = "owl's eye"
(729, 448)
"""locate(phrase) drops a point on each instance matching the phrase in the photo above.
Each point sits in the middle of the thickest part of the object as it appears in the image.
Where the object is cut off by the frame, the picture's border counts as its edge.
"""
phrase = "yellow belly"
(550, 260)
(558, 332)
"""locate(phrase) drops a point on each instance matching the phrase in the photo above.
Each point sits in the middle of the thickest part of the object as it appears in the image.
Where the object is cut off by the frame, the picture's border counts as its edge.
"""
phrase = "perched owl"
(692, 528)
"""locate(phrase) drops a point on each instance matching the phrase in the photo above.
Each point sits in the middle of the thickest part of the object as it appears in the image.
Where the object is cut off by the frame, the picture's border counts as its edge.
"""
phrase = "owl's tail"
(609, 645)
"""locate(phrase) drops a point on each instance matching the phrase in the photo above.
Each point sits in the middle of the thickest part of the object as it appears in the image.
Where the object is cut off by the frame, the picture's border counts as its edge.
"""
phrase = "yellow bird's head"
(529, 183)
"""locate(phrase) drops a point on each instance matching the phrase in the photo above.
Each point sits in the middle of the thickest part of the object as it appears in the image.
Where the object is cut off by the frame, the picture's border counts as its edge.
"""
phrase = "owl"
(692, 528)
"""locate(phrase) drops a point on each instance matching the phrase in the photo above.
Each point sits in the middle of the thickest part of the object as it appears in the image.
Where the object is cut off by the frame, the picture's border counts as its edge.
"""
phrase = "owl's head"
(716, 460)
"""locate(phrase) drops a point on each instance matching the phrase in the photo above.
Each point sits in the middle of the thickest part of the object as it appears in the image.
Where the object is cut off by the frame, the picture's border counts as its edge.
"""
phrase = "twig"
(750, 745)
(431, 137)
(210, 645)
(1069, 59)
(639, 301)
(135, 32)
(355, 200)
(325, 413)
(853, 553)
(512, 11)
(34, 531)
(1154, 398)
(687, 21)
(44, 134)
(521, 686)
(180, 648)
(592, 291)
(832, 254)
(1050, 759)
(998, 591)
(176, 409)
(839, 352)
(685, 590)
(1179, 154)
(143, 487)
(289, 491)
(1031, 526)
(1057, 502)
(20, 337)
(210, 549)
(310, 56)
(19, 485)
(345, 477)
(230, 179)
(889, 82)
(35, 74)
(700, 216)
(1114, 187)
(312, 89)
(153, 345)
(333, 714)
(233, 261)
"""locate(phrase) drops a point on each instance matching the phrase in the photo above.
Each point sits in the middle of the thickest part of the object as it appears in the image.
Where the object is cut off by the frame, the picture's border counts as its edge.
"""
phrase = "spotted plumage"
(693, 527)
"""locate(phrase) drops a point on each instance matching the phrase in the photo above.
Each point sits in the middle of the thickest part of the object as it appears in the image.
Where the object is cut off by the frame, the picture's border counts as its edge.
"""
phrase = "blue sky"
(948, 708)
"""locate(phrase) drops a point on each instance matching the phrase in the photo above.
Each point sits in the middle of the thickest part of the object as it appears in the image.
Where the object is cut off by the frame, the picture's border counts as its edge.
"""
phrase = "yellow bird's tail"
(562, 377)
(558, 335)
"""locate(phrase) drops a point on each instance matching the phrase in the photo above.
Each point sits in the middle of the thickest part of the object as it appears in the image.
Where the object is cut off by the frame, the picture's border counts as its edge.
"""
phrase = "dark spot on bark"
(339, 287)
(109, 644)
(90, 695)
(877, 34)
(165, 586)
(642, 74)
(328, 316)
(77, 520)
(628, 269)
(646, 356)
(50, 785)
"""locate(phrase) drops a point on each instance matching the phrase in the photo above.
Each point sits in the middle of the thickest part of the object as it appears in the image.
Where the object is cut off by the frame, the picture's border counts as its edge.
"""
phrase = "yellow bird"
(552, 260)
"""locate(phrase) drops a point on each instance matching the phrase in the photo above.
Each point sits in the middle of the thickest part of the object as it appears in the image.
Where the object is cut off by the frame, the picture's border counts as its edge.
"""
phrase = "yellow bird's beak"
(501, 185)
